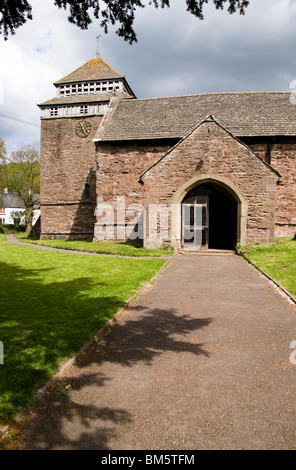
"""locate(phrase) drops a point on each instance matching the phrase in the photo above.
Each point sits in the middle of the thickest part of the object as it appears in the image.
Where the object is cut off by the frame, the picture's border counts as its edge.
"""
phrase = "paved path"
(12, 239)
(201, 361)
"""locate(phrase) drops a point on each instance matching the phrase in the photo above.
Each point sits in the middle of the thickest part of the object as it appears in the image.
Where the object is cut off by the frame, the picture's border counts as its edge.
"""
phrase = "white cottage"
(12, 208)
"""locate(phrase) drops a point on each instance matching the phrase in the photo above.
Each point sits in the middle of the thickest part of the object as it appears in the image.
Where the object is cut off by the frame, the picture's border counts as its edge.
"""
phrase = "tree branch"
(16, 13)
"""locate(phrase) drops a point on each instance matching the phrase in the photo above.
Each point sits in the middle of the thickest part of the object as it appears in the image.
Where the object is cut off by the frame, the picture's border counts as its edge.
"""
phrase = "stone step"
(210, 252)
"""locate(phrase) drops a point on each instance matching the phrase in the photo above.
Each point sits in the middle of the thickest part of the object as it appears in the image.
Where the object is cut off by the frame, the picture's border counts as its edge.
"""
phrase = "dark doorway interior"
(222, 219)
(219, 227)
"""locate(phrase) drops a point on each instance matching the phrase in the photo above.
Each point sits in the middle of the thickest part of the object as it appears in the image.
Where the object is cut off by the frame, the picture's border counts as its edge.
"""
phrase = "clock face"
(83, 128)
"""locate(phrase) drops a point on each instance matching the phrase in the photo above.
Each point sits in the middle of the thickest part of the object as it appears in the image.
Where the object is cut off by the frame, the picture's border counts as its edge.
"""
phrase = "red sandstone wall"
(119, 169)
(67, 163)
(283, 159)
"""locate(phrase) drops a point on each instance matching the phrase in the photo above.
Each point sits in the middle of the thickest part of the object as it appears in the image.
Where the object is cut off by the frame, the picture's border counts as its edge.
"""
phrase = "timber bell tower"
(68, 155)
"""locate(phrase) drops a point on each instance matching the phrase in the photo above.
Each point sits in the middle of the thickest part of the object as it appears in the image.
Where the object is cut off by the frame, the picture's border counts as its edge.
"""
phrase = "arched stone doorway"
(224, 213)
(209, 218)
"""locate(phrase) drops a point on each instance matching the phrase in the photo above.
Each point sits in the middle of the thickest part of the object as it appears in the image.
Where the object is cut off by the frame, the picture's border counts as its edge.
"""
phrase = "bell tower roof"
(94, 69)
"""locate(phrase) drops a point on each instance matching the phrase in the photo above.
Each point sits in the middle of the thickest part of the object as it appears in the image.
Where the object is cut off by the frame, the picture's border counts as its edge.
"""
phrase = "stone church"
(204, 171)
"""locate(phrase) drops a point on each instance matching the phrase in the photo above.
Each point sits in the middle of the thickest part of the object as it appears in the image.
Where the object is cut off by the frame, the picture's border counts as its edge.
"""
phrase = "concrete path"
(201, 361)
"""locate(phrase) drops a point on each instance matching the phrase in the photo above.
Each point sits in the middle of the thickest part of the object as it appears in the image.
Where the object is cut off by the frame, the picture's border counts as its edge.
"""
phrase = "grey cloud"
(176, 54)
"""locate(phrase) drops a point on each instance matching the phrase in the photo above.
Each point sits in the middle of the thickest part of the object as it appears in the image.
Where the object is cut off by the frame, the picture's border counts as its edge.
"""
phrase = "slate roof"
(242, 114)
(94, 69)
(12, 201)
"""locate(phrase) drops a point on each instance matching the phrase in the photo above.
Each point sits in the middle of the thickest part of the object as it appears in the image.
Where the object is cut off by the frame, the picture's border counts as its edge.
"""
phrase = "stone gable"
(210, 153)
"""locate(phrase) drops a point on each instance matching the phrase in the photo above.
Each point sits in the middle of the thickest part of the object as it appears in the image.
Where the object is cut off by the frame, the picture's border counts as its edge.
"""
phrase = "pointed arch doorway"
(209, 218)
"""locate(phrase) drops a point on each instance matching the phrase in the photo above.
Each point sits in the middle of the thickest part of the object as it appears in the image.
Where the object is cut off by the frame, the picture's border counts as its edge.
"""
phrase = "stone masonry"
(68, 163)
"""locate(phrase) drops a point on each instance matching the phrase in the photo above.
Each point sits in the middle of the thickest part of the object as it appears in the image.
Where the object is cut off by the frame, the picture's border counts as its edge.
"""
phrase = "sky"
(176, 54)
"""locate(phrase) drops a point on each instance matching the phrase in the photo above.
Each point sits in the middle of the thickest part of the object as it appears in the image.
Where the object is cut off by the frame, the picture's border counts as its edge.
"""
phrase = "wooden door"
(195, 223)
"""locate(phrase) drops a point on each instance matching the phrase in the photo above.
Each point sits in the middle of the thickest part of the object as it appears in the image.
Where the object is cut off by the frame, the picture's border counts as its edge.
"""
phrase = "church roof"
(243, 114)
(94, 69)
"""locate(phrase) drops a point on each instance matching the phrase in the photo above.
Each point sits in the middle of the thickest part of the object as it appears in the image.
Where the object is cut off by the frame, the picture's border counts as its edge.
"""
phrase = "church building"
(203, 171)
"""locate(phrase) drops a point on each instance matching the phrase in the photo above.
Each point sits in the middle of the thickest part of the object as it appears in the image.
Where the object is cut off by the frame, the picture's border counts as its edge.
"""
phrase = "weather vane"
(98, 54)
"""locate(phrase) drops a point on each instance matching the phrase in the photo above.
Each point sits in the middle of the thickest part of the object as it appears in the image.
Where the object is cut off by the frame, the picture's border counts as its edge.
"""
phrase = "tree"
(16, 13)
(3, 156)
(21, 176)
(3, 152)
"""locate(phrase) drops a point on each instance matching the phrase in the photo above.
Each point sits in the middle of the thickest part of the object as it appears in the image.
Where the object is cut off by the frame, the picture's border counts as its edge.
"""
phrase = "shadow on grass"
(42, 324)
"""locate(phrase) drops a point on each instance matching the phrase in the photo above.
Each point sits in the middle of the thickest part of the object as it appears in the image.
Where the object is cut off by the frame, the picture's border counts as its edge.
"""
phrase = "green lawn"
(51, 304)
(277, 259)
(111, 248)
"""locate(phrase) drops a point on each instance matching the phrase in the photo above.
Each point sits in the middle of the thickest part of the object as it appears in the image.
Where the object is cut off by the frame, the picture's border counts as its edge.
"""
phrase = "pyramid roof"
(94, 69)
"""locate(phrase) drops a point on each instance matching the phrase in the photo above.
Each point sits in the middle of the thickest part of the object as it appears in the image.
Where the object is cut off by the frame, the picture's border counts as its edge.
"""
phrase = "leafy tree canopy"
(16, 13)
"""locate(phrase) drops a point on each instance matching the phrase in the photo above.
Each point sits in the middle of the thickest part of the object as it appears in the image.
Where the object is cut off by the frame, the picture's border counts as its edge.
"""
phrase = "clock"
(83, 128)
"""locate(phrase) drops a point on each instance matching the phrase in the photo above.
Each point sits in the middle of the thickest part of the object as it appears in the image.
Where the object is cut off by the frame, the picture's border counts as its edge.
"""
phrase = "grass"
(111, 248)
(51, 304)
(277, 259)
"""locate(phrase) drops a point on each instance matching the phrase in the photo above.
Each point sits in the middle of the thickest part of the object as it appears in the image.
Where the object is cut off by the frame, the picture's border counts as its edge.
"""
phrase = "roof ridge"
(214, 94)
